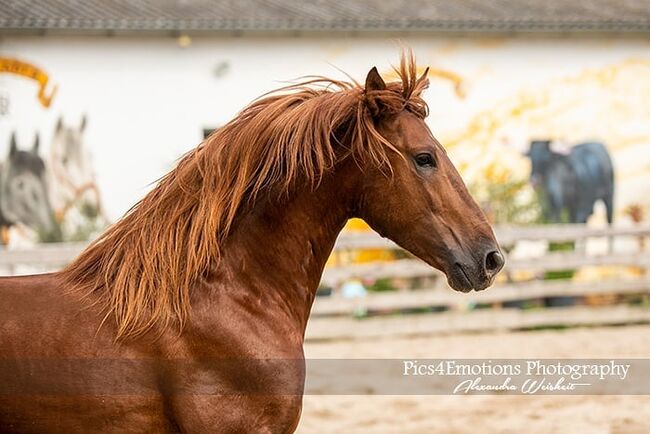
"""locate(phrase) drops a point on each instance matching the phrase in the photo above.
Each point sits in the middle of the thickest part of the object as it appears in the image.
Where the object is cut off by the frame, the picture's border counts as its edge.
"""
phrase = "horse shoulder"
(243, 373)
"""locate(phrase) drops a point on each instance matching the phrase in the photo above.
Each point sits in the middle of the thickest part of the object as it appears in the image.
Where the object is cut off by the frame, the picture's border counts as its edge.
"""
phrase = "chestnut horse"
(221, 260)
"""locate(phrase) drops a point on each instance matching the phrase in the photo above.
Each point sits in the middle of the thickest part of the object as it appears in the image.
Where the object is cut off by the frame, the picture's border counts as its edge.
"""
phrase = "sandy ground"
(492, 414)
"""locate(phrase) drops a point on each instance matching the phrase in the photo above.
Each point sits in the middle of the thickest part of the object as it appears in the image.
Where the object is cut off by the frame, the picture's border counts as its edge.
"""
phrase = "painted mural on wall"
(591, 123)
(18, 67)
(48, 191)
(570, 184)
(489, 98)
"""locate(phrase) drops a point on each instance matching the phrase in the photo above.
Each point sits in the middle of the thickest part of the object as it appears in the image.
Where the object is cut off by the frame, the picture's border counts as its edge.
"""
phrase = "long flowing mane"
(143, 266)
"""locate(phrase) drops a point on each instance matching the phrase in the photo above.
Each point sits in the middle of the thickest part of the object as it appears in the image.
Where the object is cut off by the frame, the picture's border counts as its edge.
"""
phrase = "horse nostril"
(494, 262)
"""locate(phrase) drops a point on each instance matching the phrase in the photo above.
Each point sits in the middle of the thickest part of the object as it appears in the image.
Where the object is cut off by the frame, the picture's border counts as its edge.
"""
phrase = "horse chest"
(236, 395)
(236, 413)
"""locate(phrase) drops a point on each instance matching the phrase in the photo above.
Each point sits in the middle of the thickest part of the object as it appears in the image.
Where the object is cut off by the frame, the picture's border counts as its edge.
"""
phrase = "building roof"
(325, 15)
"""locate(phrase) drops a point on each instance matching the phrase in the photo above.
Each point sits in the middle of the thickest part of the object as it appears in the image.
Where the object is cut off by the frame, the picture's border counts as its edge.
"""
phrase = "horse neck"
(278, 251)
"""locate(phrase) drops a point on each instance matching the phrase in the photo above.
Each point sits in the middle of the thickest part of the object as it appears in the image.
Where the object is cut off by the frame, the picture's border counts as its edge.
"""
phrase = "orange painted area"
(24, 69)
(443, 74)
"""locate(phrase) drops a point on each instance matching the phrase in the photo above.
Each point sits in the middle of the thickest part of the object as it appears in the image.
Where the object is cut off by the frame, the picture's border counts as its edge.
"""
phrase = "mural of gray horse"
(74, 193)
(24, 192)
(573, 182)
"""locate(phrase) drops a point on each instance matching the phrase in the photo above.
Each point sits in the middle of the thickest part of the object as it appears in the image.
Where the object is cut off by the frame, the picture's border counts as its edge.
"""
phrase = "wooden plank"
(363, 240)
(507, 235)
(566, 232)
(406, 268)
(337, 305)
(570, 260)
(58, 255)
(55, 254)
(410, 268)
(476, 321)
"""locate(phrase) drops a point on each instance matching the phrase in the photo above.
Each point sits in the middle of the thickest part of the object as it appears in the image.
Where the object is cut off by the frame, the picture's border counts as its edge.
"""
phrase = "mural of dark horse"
(573, 182)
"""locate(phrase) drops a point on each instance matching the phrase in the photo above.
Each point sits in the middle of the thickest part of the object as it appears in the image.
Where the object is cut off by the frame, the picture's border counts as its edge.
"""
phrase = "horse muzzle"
(466, 273)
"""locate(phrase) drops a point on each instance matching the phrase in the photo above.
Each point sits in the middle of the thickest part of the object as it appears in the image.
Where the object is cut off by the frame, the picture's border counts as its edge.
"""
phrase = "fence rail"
(333, 316)
(410, 268)
(45, 255)
(477, 321)
(329, 306)
(508, 235)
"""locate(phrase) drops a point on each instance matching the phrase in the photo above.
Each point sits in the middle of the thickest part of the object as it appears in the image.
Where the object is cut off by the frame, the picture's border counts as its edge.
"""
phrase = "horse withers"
(168, 322)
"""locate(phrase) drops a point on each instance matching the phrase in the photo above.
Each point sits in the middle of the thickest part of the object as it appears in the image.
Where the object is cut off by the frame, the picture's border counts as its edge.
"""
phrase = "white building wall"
(147, 99)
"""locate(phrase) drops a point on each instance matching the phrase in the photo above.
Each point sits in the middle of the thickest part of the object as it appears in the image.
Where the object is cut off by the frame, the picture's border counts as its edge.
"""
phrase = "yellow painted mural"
(19, 67)
(610, 105)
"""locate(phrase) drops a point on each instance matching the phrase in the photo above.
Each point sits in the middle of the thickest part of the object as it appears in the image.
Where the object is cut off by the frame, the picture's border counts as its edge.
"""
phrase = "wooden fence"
(336, 317)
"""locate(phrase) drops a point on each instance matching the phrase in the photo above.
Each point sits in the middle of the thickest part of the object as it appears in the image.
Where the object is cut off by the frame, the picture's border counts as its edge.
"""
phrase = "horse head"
(423, 204)
(24, 193)
(70, 169)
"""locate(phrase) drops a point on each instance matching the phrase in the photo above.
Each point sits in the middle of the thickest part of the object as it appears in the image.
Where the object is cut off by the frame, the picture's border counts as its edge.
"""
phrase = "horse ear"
(36, 144)
(12, 145)
(82, 127)
(374, 80)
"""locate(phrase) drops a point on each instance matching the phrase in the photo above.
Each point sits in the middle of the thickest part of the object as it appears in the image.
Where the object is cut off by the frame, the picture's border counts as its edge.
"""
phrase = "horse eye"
(425, 160)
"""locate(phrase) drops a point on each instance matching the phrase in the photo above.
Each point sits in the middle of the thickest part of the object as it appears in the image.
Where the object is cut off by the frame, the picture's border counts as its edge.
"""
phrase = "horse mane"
(144, 265)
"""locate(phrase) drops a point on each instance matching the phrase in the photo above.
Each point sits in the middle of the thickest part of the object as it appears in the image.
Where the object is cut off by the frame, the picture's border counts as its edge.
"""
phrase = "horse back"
(40, 317)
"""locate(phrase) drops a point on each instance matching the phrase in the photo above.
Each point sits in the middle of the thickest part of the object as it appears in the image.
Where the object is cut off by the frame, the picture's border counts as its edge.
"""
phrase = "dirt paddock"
(498, 414)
